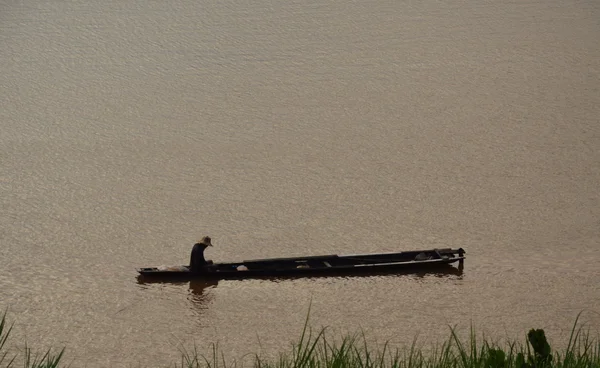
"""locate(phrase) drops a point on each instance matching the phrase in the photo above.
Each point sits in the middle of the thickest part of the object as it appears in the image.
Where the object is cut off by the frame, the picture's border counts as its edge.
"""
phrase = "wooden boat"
(315, 265)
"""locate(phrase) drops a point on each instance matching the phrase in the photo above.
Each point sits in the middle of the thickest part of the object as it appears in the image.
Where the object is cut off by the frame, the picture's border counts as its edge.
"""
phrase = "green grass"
(316, 350)
(29, 358)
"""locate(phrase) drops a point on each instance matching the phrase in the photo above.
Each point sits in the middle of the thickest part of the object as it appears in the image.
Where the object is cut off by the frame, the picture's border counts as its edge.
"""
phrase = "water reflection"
(197, 286)
(441, 271)
(442, 275)
(197, 289)
(198, 294)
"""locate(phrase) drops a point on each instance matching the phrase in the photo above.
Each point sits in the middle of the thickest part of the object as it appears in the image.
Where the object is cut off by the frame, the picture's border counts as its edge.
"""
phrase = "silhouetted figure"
(197, 260)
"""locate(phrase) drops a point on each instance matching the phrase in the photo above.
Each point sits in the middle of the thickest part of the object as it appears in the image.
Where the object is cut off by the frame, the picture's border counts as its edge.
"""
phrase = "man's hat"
(206, 241)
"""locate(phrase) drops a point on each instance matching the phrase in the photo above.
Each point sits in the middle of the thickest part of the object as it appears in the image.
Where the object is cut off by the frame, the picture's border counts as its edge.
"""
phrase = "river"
(130, 129)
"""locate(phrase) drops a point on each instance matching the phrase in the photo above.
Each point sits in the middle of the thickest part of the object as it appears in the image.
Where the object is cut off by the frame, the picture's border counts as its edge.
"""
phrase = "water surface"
(129, 129)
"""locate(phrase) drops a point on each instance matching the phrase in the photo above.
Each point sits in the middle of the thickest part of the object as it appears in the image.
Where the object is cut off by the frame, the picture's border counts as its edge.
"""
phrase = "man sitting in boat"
(197, 261)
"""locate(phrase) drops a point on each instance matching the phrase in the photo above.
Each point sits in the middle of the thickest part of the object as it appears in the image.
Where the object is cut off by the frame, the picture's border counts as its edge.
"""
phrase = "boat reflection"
(449, 271)
(200, 293)
(198, 285)
(441, 271)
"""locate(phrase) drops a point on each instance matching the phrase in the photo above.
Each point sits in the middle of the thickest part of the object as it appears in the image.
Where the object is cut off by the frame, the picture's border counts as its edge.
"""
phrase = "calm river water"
(131, 128)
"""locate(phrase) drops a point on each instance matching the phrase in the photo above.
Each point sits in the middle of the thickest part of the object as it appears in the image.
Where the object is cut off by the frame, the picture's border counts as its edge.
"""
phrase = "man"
(197, 261)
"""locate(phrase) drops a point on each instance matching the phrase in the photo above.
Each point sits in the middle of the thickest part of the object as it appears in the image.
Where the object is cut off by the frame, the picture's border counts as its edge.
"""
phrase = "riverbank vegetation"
(316, 350)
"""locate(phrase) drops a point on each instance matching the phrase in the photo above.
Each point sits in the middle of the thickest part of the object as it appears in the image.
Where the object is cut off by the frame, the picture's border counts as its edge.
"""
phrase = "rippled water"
(131, 128)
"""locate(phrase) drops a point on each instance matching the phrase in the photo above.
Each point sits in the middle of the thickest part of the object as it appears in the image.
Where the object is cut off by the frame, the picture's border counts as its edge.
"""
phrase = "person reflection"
(199, 292)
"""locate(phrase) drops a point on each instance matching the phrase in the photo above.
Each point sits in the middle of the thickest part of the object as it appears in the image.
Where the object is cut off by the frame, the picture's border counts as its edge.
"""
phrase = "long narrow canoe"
(315, 265)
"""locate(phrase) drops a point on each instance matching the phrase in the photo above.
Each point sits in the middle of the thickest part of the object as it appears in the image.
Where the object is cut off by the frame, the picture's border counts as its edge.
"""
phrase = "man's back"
(197, 261)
